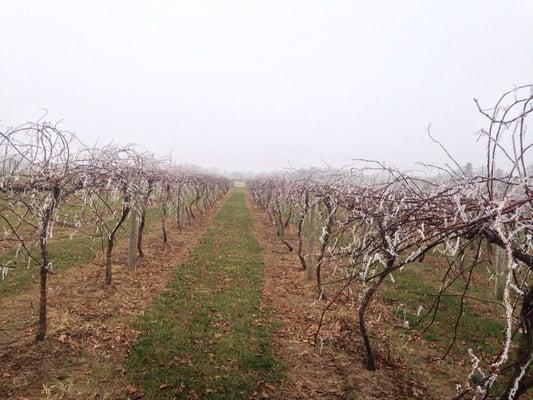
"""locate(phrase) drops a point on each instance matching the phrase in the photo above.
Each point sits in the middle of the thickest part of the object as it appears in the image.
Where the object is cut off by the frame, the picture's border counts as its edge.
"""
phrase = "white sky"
(258, 85)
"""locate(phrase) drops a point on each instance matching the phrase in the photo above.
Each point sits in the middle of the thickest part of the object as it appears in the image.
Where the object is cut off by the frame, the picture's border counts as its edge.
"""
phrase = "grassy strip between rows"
(206, 336)
(477, 329)
(64, 252)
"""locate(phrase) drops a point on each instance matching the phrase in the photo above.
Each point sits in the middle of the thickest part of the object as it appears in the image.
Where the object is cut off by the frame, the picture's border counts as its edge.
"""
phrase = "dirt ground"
(90, 325)
(91, 330)
(334, 369)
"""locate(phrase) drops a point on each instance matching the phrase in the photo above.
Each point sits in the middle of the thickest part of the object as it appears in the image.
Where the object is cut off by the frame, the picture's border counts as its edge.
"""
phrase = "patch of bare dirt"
(90, 325)
(333, 369)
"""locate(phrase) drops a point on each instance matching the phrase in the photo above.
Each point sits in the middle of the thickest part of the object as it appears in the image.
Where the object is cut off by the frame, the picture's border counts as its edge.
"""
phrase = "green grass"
(479, 328)
(64, 253)
(417, 284)
(206, 335)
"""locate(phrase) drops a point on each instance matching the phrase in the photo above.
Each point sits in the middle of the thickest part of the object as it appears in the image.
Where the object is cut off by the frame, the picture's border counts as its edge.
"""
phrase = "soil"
(90, 325)
(333, 368)
(91, 330)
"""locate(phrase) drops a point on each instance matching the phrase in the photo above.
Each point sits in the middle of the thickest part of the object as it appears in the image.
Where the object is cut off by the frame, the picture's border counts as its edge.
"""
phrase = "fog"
(252, 86)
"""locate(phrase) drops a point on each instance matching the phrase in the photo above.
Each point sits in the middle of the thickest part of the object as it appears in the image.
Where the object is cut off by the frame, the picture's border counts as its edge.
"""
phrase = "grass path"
(207, 335)
(91, 325)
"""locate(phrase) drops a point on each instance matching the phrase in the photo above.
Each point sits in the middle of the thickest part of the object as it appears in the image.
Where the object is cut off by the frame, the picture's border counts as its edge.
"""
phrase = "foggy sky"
(260, 85)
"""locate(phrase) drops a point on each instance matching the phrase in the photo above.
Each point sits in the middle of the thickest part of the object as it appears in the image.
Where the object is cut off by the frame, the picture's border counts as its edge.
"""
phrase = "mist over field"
(255, 86)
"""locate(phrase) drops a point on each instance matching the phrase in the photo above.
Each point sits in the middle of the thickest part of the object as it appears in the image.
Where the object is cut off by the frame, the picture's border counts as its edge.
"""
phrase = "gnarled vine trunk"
(111, 240)
(46, 219)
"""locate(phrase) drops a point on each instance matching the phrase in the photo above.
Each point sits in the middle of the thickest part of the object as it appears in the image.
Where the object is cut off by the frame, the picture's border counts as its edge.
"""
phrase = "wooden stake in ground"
(312, 244)
(133, 241)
